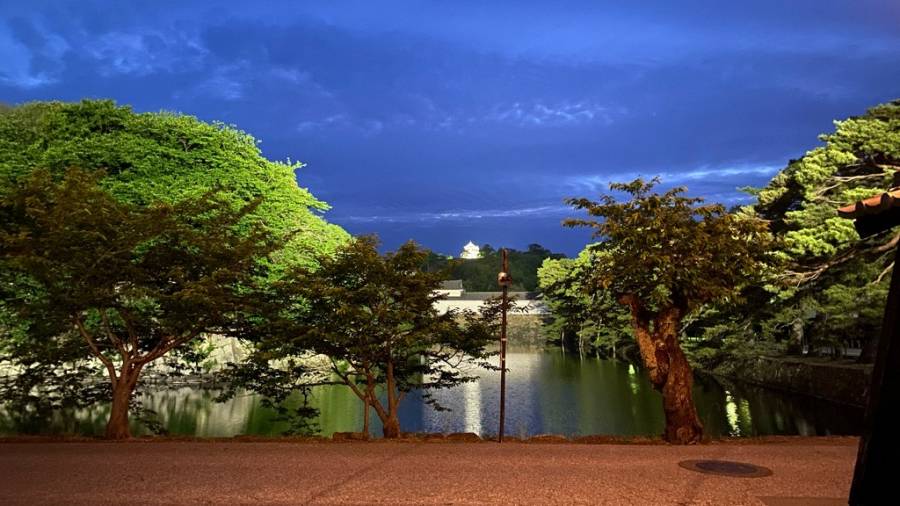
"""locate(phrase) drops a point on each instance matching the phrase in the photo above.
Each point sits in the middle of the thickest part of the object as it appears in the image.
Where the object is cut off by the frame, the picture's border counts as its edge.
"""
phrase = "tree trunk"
(867, 353)
(117, 427)
(682, 423)
(366, 415)
(391, 421)
(668, 368)
(391, 428)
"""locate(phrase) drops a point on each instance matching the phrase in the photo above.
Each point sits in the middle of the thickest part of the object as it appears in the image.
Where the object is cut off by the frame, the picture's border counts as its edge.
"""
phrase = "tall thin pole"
(504, 281)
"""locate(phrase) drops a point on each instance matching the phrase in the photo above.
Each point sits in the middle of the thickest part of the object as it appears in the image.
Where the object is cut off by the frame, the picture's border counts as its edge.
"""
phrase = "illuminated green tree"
(835, 284)
(663, 256)
(153, 157)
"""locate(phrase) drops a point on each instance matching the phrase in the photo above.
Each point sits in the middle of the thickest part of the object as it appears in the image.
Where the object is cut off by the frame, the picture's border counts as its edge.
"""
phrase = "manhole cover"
(726, 468)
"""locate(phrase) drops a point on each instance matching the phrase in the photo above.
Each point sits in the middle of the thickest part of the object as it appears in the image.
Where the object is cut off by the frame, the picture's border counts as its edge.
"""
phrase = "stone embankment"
(841, 382)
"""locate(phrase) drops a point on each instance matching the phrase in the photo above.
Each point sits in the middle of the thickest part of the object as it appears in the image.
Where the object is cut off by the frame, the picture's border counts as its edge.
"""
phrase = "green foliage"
(373, 316)
(834, 287)
(588, 319)
(164, 157)
(668, 250)
(98, 279)
(480, 274)
(277, 386)
(825, 287)
(857, 161)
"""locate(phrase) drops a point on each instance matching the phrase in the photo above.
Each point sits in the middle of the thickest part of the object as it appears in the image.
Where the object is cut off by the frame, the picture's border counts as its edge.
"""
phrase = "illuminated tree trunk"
(682, 423)
(668, 368)
(391, 428)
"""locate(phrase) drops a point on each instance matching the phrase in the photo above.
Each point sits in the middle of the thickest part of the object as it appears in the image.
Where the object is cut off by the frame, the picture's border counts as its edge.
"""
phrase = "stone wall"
(841, 382)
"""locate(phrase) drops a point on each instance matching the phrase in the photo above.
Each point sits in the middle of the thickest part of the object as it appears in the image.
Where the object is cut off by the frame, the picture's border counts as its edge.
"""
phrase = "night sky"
(453, 121)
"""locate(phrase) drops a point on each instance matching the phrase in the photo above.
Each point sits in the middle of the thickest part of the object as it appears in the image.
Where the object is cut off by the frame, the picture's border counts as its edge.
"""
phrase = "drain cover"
(726, 468)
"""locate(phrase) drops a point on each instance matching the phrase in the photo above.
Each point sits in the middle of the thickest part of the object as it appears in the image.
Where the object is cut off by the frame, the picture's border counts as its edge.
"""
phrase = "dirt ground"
(806, 471)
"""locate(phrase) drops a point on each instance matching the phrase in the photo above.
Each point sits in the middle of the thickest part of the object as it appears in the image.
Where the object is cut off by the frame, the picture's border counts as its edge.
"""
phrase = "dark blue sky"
(455, 120)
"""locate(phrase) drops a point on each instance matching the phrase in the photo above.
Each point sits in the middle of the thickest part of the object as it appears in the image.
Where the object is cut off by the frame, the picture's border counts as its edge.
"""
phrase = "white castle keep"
(470, 251)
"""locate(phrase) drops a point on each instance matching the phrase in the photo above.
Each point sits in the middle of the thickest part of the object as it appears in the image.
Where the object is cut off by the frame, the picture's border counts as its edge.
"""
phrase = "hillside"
(480, 274)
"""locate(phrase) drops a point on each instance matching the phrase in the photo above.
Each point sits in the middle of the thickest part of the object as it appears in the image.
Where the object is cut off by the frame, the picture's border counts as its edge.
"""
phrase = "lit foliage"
(664, 256)
(164, 157)
(857, 161)
(667, 250)
(578, 315)
(834, 286)
(100, 279)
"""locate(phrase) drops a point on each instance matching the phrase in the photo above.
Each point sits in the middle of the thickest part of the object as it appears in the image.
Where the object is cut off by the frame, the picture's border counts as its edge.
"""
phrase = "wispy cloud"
(427, 115)
(342, 121)
(17, 59)
(142, 53)
(542, 114)
(459, 215)
(705, 174)
(226, 82)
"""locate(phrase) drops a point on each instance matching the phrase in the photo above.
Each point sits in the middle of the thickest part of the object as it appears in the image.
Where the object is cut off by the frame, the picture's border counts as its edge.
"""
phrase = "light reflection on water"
(546, 393)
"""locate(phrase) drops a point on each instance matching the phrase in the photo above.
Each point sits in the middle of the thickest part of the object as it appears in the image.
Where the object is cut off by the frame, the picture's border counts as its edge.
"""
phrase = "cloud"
(434, 108)
(145, 52)
(342, 122)
(543, 114)
(707, 175)
(29, 57)
(460, 215)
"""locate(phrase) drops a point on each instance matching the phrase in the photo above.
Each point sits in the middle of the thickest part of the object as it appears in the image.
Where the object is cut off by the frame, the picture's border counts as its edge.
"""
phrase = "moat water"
(547, 392)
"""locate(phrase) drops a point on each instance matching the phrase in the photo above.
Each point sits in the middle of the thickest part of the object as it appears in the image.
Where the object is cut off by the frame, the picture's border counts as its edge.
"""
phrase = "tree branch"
(883, 273)
(806, 277)
(129, 327)
(166, 345)
(110, 368)
(104, 317)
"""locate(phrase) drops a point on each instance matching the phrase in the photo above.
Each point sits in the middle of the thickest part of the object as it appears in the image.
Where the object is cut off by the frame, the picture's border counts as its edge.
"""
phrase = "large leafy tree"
(663, 256)
(124, 285)
(373, 316)
(144, 159)
(164, 157)
(835, 284)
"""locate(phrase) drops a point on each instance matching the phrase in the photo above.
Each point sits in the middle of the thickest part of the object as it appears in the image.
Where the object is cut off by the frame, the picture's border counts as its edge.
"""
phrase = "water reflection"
(547, 393)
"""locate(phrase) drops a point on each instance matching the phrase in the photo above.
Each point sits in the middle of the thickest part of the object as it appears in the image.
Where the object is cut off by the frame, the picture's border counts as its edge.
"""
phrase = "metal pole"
(504, 283)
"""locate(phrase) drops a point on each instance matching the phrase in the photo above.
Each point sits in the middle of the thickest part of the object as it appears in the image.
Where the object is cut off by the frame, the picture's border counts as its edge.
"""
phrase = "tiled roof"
(872, 205)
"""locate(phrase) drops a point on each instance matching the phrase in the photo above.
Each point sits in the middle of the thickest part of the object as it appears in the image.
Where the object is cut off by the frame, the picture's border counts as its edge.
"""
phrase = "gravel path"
(416, 473)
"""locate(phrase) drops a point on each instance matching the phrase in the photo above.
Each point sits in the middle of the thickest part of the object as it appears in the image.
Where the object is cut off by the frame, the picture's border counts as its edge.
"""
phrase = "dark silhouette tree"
(123, 284)
(374, 317)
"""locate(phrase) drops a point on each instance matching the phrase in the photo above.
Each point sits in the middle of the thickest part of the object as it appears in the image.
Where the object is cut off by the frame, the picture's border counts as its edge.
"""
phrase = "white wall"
(529, 306)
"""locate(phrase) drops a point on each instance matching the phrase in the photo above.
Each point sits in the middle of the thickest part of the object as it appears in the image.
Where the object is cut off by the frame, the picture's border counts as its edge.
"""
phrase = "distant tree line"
(480, 274)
